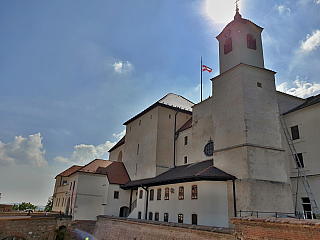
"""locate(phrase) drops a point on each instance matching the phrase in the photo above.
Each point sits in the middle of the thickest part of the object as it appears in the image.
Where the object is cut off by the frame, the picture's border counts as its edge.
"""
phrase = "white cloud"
(121, 67)
(303, 89)
(120, 135)
(311, 43)
(283, 8)
(23, 151)
(82, 153)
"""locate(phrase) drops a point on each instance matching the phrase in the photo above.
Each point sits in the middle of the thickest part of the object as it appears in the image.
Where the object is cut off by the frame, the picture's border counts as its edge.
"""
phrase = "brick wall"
(122, 228)
(276, 228)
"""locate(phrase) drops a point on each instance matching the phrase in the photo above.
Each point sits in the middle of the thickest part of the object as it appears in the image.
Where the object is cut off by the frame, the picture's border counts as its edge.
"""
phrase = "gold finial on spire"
(237, 7)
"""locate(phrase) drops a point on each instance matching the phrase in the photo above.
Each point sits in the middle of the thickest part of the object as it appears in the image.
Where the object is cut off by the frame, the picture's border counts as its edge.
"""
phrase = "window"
(181, 193)
(166, 217)
(159, 194)
(70, 186)
(259, 84)
(295, 132)
(299, 160)
(65, 182)
(116, 195)
(185, 160)
(139, 122)
(251, 42)
(194, 219)
(180, 218)
(62, 202)
(194, 192)
(156, 216)
(150, 215)
(307, 207)
(138, 150)
(139, 215)
(151, 194)
(140, 194)
(166, 194)
(150, 116)
(209, 148)
(228, 45)
(169, 116)
(186, 140)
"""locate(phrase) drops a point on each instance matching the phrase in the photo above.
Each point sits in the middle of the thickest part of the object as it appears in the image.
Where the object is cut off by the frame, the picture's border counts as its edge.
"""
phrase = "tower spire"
(237, 7)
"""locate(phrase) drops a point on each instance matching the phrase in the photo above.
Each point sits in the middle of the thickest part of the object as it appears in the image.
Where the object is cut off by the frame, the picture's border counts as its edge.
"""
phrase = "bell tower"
(240, 42)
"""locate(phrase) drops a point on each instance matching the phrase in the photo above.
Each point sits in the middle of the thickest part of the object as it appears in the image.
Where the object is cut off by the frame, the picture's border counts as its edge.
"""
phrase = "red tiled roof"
(70, 171)
(122, 141)
(187, 125)
(115, 171)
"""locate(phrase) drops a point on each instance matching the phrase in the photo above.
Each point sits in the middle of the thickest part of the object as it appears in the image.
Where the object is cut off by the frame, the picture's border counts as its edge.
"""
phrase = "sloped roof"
(186, 173)
(70, 171)
(238, 18)
(122, 141)
(187, 125)
(171, 101)
(309, 102)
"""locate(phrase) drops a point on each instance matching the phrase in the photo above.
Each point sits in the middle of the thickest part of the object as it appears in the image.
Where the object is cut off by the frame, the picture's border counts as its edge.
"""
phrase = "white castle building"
(204, 163)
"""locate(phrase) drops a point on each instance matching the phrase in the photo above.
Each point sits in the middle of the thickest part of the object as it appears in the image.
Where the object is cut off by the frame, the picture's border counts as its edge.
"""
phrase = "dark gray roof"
(186, 173)
(309, 102)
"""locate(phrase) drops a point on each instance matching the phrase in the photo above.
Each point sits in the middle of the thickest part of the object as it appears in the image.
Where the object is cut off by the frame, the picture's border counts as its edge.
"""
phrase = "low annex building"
(202, 163)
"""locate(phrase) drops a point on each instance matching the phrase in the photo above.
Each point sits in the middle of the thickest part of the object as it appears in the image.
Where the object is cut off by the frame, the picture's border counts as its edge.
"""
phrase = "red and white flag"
(205, 68)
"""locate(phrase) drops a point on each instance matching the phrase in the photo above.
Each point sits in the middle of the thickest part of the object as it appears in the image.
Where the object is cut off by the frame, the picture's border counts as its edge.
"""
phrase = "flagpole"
(201, 80)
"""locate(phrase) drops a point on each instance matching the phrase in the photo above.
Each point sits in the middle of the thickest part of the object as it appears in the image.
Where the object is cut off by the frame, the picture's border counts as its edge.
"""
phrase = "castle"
(204, 163)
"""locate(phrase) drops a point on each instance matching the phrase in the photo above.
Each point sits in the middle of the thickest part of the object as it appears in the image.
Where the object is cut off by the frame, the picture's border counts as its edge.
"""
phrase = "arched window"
(194, 192)
(251, 42)
(156, 216)
(180, 218)
(150, 215)
(166, 217)
(228, 45)
(166, 194)
(139, 215)
(181, 193)
(151, 194)
(159, 194)
(120, 156)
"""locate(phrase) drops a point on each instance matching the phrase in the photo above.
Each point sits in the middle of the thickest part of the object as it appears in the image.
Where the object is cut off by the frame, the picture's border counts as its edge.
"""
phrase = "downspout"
(234, 198)
(146, 213)
(130, 201)
(175, 138)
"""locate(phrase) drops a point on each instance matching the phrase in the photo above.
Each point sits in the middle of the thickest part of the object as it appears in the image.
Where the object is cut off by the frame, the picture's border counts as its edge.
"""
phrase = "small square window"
(295, 132)
(185, 160)
(65, 182)
(259, 84)
(116, 195)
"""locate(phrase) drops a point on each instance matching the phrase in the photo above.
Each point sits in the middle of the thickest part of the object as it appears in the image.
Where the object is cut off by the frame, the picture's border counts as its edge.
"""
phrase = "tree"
(15, 207)
(24, 206)
(49, 205)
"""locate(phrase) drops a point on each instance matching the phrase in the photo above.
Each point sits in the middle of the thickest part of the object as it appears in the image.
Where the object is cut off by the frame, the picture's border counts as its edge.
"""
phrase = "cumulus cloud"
(23, 151)
(303, 89)
(83, 153)
(283, 8)
(311, 43)
(120, 135)
(121, 67)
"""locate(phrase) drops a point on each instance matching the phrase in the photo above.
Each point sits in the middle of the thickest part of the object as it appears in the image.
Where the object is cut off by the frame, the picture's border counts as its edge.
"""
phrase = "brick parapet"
(276, 228)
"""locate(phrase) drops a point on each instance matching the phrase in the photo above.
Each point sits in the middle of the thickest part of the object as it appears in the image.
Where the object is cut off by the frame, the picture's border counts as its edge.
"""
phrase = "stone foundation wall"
(122, 228)
(276, 228)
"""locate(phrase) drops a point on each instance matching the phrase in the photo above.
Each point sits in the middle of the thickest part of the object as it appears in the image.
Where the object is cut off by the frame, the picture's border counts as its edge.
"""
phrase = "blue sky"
(72, 72)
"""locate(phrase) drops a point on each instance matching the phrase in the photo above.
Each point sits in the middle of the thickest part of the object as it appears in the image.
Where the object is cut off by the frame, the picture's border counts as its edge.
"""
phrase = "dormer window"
(228, 45)
(251, 42)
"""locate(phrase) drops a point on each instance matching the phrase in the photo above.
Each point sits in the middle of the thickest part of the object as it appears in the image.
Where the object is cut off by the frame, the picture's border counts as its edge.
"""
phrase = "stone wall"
(276, 228)
(122, 228)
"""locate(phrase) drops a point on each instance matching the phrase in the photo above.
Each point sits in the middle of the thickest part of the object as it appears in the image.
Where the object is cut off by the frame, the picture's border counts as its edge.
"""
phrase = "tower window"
(228, 45)
(139, 122)
(185, 140)
(251, 42)
(259, 84)
(169, 116)
(295, 132)
(185, 160)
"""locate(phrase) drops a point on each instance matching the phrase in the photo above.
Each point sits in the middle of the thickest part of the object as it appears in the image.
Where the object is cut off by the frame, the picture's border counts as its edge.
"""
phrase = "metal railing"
(298, 215)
